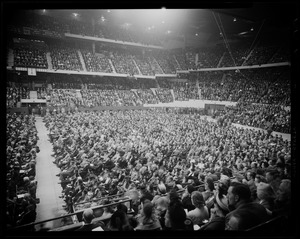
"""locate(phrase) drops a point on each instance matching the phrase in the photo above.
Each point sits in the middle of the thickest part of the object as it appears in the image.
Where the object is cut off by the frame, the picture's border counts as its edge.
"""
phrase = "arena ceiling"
(234, 19)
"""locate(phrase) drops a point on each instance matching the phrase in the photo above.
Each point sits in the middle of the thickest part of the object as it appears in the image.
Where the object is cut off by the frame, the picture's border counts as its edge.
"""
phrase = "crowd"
(27, 57)
(123, 63)
(144, 65)
(261, 55)
(15, 94)
(166, 62)
(132, 62)
(96, 62)
(164, 95)
(184, 91)
(209, 58)
(266, 86)
(147, 96)
(21, 149)
(150, 153)
(65, 97)
(64, 58)
(269, 117)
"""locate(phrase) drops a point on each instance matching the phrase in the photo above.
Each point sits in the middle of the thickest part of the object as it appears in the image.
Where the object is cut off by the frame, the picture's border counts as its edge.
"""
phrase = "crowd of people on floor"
(100, 156)
(21, 150)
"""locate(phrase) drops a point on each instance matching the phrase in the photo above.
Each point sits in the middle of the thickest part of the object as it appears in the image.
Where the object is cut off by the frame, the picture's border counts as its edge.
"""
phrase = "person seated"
(119, 222)
(208, 194)
(240, 221)
(88, 224)
(176, 219)
(218, 213)
(283, 199)
(239, 200)
(272, 177)
(200, 213)
(266, 196)
(161, 207)
(148, 220)
(186, 198)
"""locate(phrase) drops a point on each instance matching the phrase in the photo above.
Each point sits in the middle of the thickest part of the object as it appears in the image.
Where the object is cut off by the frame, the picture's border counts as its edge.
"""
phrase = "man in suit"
(242, 209)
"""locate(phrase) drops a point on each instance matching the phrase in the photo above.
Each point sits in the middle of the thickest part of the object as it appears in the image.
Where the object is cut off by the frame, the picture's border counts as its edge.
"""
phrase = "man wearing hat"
(88, 224)
(218, 213)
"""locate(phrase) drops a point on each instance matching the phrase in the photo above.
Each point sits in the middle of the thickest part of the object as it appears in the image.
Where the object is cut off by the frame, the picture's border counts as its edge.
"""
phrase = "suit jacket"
(216, 224)
(257, 213)
(90, 226)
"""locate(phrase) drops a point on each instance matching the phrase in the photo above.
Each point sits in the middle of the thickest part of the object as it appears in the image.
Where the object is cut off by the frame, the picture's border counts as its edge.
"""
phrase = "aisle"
(48, 189)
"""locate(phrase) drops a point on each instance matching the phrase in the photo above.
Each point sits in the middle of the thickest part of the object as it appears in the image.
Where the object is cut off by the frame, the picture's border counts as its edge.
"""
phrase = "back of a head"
(190, 188)
(223, 187)
(148, 209)
(272, 172)
(284, 191)
(173, 195)
(118, 219)
(197, 199)
(88, 215)
(122, 207)
(161, 188)
(265, 191)
(241, 190)
(210, 183)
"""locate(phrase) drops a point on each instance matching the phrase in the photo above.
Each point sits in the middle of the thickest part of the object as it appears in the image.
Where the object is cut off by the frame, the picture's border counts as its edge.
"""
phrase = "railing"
(79, 212)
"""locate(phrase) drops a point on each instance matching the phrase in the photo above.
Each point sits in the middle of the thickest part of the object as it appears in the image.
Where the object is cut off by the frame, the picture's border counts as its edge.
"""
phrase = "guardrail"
(24, 227)
(78, 214)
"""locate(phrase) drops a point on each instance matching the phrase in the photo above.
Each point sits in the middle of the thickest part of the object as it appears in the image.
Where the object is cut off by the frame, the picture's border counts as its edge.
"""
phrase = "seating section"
(96, 62)
(30, 57)
(21, 186)
(65, 58)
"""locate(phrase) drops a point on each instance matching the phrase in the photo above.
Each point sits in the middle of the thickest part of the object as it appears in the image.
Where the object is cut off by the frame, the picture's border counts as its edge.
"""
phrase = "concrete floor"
(48, 188)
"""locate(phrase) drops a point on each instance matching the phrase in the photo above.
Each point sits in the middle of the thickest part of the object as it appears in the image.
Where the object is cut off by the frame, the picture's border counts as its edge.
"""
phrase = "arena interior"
(157, 120)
